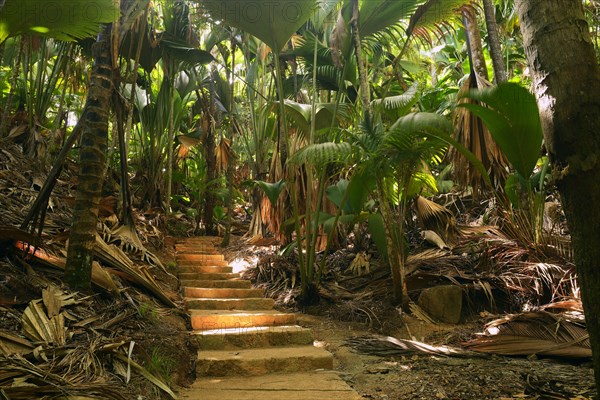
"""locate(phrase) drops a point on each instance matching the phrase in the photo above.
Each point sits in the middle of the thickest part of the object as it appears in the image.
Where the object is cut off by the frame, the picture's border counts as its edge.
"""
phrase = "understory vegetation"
(367, 151)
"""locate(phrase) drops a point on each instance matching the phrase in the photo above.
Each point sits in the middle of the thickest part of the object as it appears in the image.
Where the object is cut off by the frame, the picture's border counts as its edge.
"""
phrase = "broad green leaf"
(513, 120)
(272, 190)
(336, 193)
(63, 20)
(273, 22)
(182, 51)
(347, 219)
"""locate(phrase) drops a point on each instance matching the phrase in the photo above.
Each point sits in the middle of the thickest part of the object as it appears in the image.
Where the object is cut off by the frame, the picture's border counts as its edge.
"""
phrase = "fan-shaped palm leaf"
(69, 20)
(272, 22)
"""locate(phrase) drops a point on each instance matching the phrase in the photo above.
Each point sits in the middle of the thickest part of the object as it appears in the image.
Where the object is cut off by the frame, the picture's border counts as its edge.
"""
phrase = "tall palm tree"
(92, 165)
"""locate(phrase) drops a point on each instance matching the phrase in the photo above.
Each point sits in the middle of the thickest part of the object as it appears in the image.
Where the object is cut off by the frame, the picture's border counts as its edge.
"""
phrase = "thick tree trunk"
(494, 42)
(566, 79)
(92, 164)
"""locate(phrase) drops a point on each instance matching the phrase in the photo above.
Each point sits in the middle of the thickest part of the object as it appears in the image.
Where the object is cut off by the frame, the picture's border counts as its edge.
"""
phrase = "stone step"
(188, 263)
(212, 242)
(222, 293)
(179, 250)
(196, 249)
(247, 338)
(207, 283)
(252, 362)
(200, 257)
(322, 385)
(214, 320)
(229, 304)
(202, 276)
(205, 269)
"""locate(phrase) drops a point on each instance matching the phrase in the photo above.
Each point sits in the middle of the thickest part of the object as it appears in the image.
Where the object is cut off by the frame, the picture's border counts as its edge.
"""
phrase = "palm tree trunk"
(92, 164)
(566, 79)
(476, 46)
(394, 248)
(211, 175)
(494, 42)
(365, 93)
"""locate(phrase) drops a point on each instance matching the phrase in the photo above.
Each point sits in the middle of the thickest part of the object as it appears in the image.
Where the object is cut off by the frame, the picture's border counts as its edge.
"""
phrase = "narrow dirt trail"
(248, 350)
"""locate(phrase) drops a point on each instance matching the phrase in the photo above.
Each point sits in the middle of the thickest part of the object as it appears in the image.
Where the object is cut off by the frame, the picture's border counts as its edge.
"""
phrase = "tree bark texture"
(92, 165)
(494, 42)
(476, 46)
(566, 80)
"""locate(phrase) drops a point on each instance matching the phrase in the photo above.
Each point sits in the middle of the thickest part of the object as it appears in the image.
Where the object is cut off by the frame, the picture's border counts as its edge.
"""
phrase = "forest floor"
(425, 377)
(103, 333)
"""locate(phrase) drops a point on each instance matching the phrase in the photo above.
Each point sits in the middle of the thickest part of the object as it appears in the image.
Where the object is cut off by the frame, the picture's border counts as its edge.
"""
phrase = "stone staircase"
(248, 350)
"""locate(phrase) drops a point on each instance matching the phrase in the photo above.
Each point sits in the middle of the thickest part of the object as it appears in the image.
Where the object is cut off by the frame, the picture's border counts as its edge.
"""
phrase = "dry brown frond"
(437, 218)
(474, 135)
(224, 154)
(535, 333)
(386, 346)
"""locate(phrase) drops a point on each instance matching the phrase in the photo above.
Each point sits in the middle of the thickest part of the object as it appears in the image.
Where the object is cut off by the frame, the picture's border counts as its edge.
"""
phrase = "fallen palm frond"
(128, 241)
(420, 314)
(387, 346)
(100, 277)
(436, 218)
(38, 327)
(22, 380)
(535, 333)
(433, 260)
(112, 256)
(11, 343)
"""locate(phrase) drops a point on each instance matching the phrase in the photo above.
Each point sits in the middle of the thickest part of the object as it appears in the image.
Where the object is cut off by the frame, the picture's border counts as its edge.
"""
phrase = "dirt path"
(427, 377)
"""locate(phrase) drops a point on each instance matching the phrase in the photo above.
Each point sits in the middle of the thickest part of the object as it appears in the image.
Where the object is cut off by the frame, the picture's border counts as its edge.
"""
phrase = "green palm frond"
(434, 15)
(323, 153)
(376, 16)
(400, 104)
(406, 139)
(305, 48)
(69, 20)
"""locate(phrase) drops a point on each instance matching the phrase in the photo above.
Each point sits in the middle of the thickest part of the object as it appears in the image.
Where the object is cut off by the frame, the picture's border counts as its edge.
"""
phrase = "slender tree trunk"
(394, 248)
(210, 199)
(476, 45)
(170, 149)
(494, 42)
(566, 79)
(92, 164)
(365, 93)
